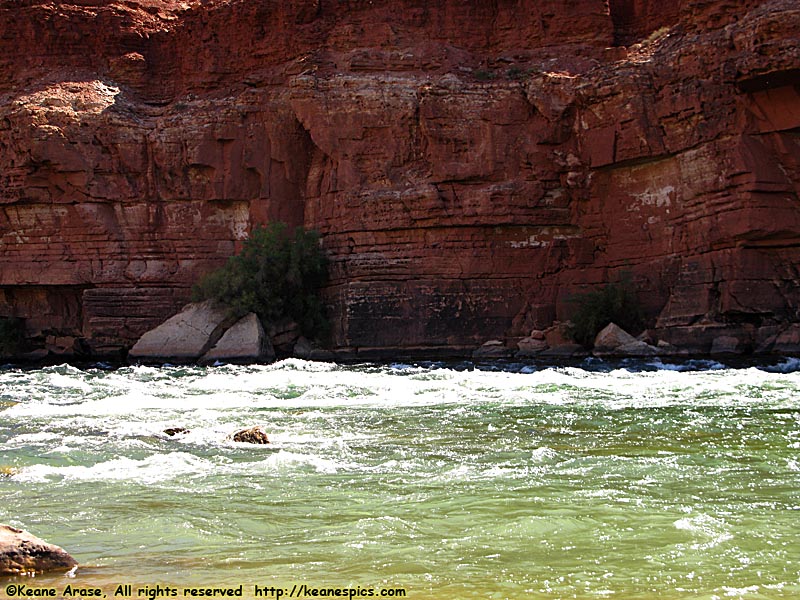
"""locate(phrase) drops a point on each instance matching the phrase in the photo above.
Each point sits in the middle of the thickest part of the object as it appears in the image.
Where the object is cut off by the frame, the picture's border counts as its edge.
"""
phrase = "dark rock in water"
(24, 554)
(173, 431)
(253, 435)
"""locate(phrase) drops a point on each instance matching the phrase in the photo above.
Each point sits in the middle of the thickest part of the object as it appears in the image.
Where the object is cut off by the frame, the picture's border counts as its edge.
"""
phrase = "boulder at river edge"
(22, 553)
(615, 341)
(186, 336)
(245, 341)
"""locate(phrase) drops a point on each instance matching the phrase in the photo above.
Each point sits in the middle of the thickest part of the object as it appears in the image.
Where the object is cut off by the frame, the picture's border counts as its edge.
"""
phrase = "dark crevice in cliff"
(634, 20)
(769, 81)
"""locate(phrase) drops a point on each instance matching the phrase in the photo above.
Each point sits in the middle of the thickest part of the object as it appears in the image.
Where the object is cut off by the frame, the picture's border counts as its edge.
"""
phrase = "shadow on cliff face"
(458, 202)
(634, 20)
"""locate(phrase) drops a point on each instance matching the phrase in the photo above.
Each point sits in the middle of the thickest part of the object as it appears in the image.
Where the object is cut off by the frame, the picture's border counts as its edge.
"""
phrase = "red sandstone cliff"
(470, 165)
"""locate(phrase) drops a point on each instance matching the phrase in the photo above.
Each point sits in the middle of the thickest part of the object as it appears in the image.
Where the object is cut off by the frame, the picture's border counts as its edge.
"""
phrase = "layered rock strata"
(470, 166)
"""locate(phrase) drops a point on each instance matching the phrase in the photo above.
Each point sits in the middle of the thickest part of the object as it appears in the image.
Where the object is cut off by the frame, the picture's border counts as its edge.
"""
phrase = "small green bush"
(613, 303)
(12, 336)
(277, 276)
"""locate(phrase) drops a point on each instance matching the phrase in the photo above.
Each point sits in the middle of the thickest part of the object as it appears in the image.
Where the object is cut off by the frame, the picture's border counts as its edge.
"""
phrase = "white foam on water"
(33, 438)
(153, 469)
(734, 592)
(543, 453)
(290, 461)
(296, 384)
(714, 531)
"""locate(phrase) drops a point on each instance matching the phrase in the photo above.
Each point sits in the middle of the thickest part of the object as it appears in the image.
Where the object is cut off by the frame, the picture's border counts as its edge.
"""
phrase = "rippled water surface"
(449, 483)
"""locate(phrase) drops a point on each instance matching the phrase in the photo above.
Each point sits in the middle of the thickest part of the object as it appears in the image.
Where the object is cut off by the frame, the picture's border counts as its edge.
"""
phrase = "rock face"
(470, 165)
(24, 554)
(186, 336)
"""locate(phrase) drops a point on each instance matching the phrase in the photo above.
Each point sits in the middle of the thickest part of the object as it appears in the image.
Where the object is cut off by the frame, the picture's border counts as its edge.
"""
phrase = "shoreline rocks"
(22, 553)
(244, 341)
(615, 341)
(187, 335)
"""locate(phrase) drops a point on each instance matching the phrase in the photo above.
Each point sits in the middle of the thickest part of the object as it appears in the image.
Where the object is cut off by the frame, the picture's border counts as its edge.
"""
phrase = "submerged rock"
(22, 553)
(173, 431)
(253, 435)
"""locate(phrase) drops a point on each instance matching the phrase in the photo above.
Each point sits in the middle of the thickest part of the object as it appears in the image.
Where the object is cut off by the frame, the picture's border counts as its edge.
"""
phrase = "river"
(434, 481)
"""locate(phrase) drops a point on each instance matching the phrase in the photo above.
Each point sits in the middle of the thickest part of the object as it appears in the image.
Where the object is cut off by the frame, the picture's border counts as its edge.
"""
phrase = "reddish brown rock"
(24, 554)
(173, 431)
(470, 166)
(788, 341)
(252, 435)
(530, 346)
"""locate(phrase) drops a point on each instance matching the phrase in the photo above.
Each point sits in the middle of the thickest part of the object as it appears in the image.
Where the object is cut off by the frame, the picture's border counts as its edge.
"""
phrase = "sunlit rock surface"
(470, 166)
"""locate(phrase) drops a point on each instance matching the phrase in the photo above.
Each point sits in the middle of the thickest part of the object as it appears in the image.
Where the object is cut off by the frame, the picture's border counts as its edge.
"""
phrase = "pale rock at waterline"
(615, 341)
(611, 337)
(531, 346)
(245, 341)
(185, 336)
(22, 553)
(637, 349)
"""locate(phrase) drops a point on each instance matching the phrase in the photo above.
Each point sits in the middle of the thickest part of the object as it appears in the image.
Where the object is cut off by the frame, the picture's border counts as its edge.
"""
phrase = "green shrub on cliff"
(613, 303)
(277, 276)
(12, 336)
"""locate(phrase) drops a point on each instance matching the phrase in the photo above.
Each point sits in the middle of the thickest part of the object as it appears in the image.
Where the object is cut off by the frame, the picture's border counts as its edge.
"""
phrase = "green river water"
(591, 481)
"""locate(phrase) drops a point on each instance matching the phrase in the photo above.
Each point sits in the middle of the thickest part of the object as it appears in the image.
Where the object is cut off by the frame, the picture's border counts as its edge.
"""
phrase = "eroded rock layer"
(470, 165)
